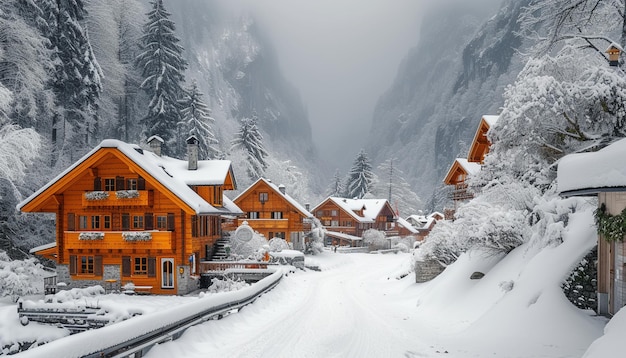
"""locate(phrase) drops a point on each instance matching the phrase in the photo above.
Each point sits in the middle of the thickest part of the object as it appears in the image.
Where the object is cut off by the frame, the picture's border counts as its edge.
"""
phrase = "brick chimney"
(192, 152)
(155, 143)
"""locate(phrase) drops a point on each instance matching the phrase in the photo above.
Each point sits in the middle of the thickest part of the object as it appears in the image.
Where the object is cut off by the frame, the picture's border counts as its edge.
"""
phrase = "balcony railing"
(116, 240)
(114, 198)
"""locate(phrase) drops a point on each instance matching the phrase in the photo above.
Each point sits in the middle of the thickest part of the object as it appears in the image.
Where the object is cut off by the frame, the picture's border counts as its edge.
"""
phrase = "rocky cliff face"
(456, 74)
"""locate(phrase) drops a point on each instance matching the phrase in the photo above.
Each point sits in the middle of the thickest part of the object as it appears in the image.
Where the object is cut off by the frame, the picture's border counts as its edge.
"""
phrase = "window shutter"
(71, 222)
(170, 222)
(126, 266)
(115, 221)
(151, 266)
(73, 262)
(97, 265)
(125, 221)
(148, 222)
(97, 184)
(119, 183)
(141, 183)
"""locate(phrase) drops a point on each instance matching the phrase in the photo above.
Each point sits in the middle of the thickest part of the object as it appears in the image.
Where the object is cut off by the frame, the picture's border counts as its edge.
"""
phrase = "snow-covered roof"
(593, 172)
(43, 247)
(341, 235)
(371, 207)
(470, 167)
(277, 189)
(170, 172)
(407, 225)
(491, 119)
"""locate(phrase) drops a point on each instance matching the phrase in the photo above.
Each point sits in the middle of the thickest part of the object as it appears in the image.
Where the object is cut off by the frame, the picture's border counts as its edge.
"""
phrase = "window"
(131, 184)
(107, 221)
(137, 222)
(86, 265)
(277, 214)
(109, 184)
(161, 222)
(333, 213)
(217, 195)
(319, 213)
(141, 266)
(334, 223)
(253, 215)
(82, 222)
(263, 197)
(95, 222)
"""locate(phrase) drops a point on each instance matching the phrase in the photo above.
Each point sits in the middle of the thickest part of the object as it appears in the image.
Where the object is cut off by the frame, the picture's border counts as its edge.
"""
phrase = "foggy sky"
(341, 55)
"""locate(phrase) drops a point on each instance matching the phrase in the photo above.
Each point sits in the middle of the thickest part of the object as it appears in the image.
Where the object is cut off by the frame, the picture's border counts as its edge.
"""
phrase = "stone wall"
(427, 270)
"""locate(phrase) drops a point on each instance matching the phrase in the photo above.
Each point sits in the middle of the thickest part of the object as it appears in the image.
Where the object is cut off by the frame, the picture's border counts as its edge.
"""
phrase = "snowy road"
(347, 310)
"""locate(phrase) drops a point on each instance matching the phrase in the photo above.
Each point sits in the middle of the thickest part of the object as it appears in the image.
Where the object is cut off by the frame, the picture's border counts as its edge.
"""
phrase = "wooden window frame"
(109, 184)
(95, 222)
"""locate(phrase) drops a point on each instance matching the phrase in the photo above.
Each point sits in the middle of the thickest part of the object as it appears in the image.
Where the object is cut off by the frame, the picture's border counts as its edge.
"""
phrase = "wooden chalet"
(269, 210)
(125, 214)
(355, 216)
(462, 168)
(424, 224)
(602, 174)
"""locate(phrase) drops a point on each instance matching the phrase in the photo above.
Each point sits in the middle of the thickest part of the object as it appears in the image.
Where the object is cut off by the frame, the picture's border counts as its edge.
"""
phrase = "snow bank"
(612, 342)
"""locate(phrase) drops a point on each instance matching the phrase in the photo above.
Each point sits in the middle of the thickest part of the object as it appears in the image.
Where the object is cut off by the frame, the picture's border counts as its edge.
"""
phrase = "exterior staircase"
(219, 250)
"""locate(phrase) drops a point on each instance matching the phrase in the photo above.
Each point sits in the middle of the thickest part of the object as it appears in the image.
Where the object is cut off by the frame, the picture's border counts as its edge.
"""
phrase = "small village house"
(270, 211)
(462, 168)
(602, 174)
(125, 214)
(423, 224)
(347, 219)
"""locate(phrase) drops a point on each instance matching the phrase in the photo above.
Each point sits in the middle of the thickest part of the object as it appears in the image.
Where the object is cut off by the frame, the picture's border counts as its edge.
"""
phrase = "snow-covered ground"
(363, 305)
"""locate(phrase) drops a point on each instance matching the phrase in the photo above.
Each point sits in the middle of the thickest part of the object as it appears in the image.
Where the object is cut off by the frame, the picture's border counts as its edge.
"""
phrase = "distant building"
(352, 217)
(462, 168)
(269, 210)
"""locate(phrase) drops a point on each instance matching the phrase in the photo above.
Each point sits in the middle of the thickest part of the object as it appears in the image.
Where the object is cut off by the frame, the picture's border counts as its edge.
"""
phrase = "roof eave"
(592, 191)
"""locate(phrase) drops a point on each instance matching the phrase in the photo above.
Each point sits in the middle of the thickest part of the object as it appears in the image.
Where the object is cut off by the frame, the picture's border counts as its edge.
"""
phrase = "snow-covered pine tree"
(250, 141)
(162, 66)
(77, 78)
(360, 178)
(24, 59)
(196, 120)
(336, 186)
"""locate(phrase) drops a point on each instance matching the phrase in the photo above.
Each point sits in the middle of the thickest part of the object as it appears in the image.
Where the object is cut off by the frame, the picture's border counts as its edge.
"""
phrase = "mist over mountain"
(237, 68)
(457, 73)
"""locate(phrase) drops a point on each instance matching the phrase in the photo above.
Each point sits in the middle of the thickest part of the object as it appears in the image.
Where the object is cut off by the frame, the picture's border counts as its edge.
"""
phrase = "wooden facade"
(355, 216)
(462, 167)
(270, 211)
(127, 215)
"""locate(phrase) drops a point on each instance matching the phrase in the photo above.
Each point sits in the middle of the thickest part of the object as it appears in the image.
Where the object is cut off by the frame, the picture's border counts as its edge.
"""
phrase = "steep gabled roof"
(480, 143)
(169, 175)
(371, 207)
(460, 167)
(262, 181)
(407, 225)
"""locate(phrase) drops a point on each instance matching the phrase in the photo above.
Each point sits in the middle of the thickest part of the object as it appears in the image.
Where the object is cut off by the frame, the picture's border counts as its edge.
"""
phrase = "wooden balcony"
(461, 193)
(208, 266)
(159, 240)
(112, 199)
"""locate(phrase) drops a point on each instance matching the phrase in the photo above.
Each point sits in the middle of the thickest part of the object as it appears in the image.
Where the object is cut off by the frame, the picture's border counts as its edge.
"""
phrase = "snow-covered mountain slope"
(238, 71)
(456, 74)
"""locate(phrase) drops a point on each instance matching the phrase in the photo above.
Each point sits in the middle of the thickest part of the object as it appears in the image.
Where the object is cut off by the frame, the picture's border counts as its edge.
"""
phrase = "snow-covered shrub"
(315, 238)
(96, 195)
(401, 247)
(127, 194)
(278, 244)
(375, 239)
(225, 285)
(251, 249)
(137, 236)
(19, 277)
(91, 235)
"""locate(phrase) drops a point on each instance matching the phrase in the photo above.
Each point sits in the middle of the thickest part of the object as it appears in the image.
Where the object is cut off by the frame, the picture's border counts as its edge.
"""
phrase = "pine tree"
(360, 177)
(336, 187)
(250, 140)
(391, 184)
(77, 76)
(163, 67)
(196, 119)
